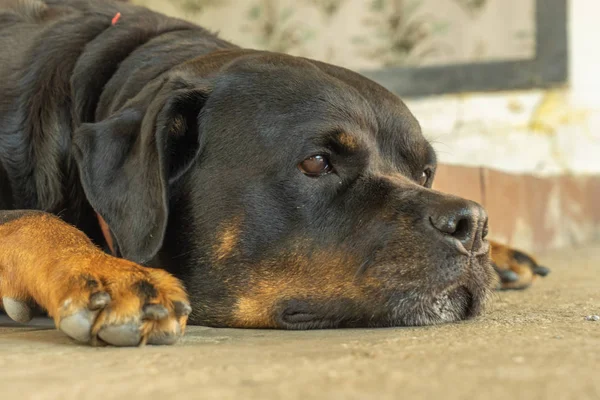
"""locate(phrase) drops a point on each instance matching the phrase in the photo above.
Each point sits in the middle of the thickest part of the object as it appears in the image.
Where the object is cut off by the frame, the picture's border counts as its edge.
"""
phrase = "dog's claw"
(541, 270)
(99, 300)
(17, 310)
(155, 312)
(182, 309)
(508, 276)
(165, 338)
(78, 326)
(121, 335)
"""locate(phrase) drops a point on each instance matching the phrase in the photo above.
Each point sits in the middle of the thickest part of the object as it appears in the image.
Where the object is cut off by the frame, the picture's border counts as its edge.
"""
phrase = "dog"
(155, 175)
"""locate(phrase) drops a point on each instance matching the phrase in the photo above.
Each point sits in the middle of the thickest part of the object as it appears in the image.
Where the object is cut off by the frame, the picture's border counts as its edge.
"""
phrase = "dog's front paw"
(123, 304)
(93, 297)
(515, 269)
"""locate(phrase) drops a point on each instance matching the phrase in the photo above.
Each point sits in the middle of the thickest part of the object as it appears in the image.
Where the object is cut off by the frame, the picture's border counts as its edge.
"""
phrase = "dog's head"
(285, 193)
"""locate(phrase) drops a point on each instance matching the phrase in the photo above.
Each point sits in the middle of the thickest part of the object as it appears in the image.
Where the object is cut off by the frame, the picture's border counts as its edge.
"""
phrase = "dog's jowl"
(279, 191)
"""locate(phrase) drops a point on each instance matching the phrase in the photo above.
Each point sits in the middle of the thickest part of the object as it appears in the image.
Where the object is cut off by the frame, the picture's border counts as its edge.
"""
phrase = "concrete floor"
(534, 344)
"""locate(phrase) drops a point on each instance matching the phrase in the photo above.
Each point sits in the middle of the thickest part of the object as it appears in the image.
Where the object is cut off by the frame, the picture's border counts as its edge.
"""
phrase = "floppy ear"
(126, 162)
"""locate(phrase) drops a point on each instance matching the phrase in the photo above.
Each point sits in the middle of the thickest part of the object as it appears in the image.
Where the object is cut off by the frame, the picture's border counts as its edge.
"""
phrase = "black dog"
(283, 192)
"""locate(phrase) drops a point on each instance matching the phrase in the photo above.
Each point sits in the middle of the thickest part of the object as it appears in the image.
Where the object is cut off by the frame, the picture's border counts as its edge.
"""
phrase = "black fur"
(188, 147)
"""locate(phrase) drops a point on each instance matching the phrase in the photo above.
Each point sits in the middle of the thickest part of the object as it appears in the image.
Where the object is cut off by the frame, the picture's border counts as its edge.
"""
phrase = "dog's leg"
(92, 297)
(515, 269)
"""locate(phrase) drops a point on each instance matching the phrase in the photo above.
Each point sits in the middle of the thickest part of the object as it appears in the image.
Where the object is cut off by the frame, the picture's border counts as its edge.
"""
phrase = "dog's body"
(283, 192)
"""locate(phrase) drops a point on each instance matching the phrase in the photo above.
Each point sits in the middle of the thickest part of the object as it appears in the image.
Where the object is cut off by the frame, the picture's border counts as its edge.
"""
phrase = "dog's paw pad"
(127, 306)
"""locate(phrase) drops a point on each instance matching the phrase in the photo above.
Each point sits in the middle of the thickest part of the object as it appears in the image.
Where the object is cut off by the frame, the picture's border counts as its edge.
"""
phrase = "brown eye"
(315, 166)
(425, 176)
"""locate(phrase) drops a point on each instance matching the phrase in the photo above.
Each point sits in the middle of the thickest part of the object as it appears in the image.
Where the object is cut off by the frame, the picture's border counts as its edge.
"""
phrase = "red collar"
(107, 235)
(116, 18)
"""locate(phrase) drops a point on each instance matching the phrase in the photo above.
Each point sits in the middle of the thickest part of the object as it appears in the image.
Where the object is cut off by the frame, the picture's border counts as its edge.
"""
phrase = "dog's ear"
(127, 161)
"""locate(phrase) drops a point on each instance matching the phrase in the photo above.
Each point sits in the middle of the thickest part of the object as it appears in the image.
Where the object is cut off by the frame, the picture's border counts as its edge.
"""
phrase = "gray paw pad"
(17, 310)
(79, 325)
(121, 335)
(165, 338)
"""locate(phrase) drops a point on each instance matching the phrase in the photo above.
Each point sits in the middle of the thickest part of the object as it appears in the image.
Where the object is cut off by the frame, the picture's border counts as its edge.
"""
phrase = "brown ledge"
(533, 213)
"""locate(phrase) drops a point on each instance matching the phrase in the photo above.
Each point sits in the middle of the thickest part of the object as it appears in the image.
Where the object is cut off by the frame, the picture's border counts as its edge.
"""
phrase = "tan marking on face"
(227, 239)
(324, 277)
(256, 311)
(349, 141)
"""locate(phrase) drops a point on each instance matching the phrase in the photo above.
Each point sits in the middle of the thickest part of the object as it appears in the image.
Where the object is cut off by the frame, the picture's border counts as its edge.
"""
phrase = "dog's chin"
(389, 304)
(451, 305)
(411, 308)
(462, 300)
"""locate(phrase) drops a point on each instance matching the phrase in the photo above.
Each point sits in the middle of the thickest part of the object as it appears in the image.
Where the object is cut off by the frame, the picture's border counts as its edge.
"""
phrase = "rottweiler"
(153, 174)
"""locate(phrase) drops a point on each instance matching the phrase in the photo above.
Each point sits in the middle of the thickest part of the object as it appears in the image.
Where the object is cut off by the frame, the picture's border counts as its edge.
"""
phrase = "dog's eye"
(425, 176)
(315, 166)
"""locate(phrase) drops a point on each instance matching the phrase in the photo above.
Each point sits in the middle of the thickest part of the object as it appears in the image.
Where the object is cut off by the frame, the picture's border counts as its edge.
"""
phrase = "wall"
(545, 133)
(365, 34)
(532, 158)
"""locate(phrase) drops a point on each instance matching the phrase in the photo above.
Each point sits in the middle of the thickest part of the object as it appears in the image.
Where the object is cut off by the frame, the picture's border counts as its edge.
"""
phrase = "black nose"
(462, 223)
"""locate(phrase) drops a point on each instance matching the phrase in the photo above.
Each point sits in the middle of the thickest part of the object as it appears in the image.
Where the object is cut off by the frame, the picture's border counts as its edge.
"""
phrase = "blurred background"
(508, 91)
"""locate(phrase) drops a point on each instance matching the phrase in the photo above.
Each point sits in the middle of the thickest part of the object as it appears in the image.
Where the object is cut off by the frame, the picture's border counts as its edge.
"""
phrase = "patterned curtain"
(370, 34)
